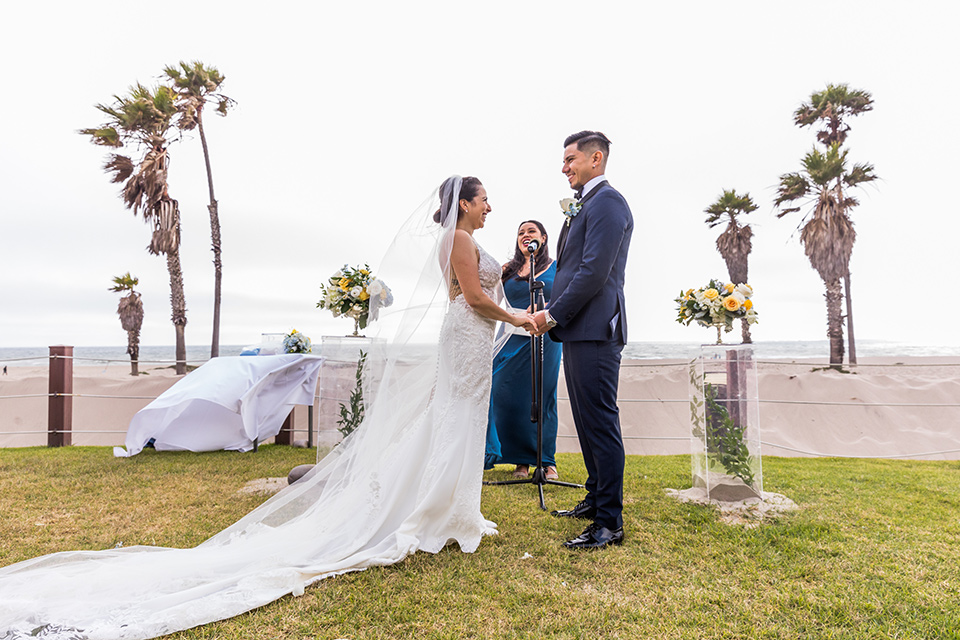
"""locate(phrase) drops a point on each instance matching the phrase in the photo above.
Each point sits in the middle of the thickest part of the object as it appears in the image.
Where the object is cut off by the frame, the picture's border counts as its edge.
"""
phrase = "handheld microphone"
(533, 246)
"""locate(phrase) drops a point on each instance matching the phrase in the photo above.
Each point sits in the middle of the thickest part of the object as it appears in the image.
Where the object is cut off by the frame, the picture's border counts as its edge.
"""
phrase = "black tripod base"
(538, 478)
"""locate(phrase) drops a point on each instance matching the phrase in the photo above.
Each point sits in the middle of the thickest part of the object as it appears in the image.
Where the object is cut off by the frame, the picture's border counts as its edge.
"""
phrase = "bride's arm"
(465, 261)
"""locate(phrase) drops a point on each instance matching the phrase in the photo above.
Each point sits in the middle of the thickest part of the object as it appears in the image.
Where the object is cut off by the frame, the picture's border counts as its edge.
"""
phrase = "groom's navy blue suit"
(588, 307)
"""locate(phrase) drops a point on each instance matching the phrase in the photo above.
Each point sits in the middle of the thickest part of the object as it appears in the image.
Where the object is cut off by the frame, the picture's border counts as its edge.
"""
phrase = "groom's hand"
(540, 318)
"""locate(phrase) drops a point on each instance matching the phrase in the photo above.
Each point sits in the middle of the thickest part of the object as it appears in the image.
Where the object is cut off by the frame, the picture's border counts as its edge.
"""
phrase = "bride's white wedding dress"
(407, 480)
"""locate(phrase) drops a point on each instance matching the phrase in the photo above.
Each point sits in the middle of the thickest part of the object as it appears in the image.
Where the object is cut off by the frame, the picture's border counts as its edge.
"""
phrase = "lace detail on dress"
(455, 289)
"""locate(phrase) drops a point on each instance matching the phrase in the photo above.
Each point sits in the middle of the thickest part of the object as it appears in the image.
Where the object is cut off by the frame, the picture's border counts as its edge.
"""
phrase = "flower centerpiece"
(350, 292)
(716, 305)
(570, 208)
(296, 342)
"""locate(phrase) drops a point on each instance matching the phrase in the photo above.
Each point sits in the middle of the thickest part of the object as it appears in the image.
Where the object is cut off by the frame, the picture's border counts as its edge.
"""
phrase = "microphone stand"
(539, 476)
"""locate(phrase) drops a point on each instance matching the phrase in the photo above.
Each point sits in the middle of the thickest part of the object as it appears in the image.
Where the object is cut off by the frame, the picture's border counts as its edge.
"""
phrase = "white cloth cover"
(407, 479)
(226, 404)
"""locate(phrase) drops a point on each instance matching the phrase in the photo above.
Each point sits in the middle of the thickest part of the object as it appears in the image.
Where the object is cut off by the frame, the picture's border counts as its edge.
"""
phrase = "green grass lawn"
(874, 551)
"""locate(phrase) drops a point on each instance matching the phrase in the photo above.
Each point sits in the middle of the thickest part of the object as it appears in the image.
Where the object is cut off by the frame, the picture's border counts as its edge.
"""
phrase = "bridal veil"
(373, 500)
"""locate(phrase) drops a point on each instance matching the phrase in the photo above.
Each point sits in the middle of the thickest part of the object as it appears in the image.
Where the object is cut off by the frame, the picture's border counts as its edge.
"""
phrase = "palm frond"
(859, 174)
(793, 186)
(105, 136)
(126, 282)
(787, 211)
(730, 204)
(828, 239)
(849, 202)
(166, 227)
(130, 310)
(831, 107)
(195, 84)
(824, 168)
(120, 166)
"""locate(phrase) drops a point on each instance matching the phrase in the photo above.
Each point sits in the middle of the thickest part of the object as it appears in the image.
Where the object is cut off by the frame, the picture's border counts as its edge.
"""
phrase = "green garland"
(350, 418)
(725, 440)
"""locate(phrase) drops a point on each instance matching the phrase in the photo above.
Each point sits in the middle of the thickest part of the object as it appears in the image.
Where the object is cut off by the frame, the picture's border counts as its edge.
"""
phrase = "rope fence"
(60, 429)
(826, 403)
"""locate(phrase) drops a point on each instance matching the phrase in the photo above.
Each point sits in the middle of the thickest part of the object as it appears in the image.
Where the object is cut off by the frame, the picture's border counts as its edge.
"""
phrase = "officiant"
(511, 435)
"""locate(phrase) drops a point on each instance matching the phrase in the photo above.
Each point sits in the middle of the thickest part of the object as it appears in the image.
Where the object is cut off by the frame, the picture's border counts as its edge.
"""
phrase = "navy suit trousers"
(592, 372)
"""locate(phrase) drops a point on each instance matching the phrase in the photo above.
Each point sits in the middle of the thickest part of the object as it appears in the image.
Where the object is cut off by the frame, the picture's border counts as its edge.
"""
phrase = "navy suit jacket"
(587, 300)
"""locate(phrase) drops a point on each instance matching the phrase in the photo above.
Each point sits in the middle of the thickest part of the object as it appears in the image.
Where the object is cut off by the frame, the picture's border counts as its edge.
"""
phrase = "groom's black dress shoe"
(583, 511)
(595, 537)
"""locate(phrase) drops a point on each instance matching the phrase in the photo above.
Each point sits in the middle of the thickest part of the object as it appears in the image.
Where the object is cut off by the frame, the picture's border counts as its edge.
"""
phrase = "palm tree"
(734, 243)
(196, 85)
(143, 118)
(830, 107)
(130, 311)
(826, 231)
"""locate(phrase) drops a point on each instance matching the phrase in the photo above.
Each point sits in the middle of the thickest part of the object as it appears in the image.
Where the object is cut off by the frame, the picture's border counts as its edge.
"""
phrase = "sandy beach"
(886, 407)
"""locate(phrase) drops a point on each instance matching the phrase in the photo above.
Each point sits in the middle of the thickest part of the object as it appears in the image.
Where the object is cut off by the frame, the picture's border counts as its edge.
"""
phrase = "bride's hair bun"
(469, 188)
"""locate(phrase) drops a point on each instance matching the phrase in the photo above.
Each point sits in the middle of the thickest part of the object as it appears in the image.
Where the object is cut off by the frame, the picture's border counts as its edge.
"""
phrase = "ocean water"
(198, 354)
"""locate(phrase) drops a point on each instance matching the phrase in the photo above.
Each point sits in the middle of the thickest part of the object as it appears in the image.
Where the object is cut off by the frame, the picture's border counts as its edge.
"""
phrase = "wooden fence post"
(60, 402)
(286, 431)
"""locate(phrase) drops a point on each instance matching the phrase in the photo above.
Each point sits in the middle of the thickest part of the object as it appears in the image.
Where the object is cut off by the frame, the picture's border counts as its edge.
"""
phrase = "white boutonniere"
(570, 208)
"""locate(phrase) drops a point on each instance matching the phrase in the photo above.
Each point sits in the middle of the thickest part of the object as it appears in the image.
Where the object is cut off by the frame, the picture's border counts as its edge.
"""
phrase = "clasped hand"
(525, 321)
(535, 324)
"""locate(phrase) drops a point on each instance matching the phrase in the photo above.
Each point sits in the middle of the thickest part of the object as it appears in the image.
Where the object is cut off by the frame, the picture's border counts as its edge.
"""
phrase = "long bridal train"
(407, 480)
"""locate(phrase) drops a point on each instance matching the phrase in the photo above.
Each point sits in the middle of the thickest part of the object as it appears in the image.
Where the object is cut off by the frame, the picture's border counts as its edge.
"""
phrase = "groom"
(588, 315)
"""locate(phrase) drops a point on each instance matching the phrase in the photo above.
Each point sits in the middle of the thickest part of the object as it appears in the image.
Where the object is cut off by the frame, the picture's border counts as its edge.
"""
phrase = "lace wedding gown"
(410, 481)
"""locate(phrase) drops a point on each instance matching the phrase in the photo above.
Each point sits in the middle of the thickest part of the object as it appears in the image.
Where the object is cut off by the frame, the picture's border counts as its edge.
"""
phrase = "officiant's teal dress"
(511, 436)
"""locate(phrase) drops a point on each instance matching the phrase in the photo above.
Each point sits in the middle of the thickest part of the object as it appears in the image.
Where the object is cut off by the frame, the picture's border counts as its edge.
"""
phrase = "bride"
(408, 479)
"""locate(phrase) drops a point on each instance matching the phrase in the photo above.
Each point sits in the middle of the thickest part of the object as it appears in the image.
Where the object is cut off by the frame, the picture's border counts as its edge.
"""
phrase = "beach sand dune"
(888, 407)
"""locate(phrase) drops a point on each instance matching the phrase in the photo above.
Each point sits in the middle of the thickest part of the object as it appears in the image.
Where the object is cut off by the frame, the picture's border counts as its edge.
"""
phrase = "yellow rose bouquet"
(716, 305)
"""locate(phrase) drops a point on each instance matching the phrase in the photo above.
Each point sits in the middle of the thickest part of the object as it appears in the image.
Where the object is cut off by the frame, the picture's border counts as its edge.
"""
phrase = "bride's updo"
(469, 188)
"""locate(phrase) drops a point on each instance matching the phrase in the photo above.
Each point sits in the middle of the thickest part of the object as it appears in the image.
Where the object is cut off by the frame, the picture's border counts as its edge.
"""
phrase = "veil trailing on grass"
(407, 479)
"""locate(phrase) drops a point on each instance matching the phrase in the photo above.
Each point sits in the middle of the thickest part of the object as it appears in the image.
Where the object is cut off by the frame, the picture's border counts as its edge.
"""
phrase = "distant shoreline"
(784, 349)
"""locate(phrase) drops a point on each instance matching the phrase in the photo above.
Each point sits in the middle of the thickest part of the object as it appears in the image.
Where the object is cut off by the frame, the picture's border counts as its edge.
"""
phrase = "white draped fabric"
(227, 404)
(408, 479)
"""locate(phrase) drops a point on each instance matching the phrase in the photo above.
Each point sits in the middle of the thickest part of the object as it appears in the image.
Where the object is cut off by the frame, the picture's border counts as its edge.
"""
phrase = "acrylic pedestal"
(725, 423)
(338, 380)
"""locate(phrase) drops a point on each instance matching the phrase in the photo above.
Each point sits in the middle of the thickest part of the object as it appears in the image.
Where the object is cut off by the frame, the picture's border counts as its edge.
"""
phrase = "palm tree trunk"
(745, 331)
(133, 348)
(215, 240)
(834, 297)
(852, 354)
(738, 270)
(178, 305)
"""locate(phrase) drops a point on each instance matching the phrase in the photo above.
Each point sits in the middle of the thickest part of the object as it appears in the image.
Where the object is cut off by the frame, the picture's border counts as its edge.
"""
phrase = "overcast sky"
(349, 114)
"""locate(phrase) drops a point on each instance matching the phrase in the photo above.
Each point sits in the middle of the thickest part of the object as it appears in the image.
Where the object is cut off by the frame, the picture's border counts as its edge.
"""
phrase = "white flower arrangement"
(716, 305)
(348, 293)
(296, 342)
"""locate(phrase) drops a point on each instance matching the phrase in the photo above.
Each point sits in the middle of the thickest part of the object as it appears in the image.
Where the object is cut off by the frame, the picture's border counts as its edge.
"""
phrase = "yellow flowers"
(349, 291)
(716, 305)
